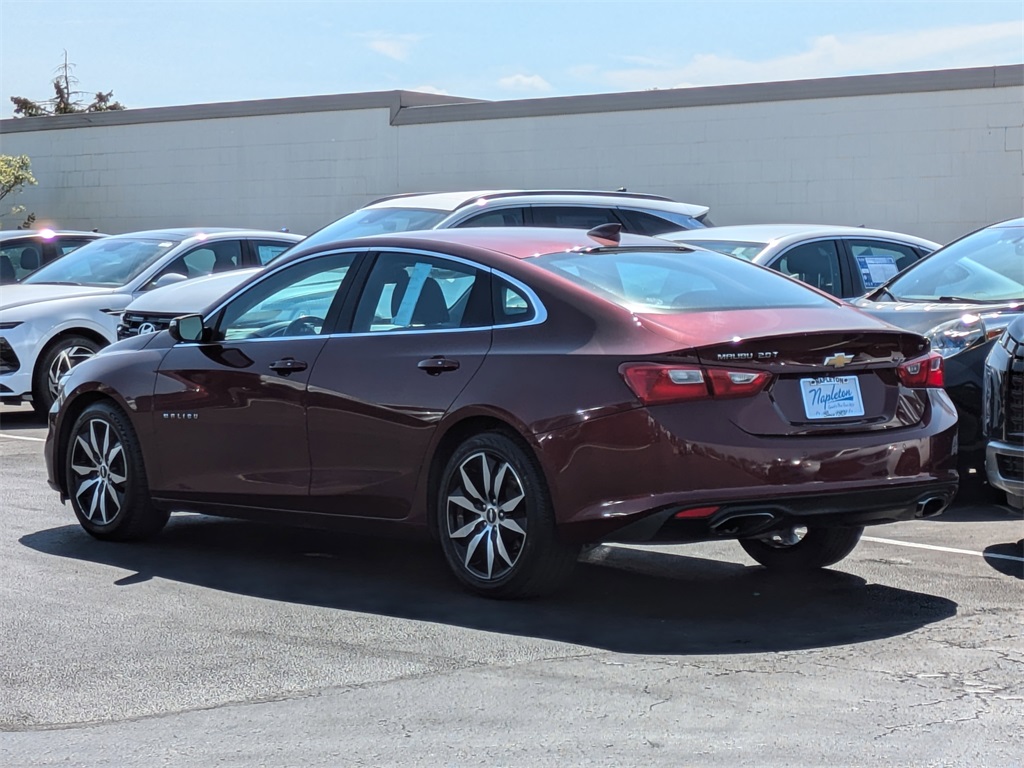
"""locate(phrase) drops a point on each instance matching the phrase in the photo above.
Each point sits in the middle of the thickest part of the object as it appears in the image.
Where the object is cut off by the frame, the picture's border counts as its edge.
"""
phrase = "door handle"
(288, 366)
(437, 365)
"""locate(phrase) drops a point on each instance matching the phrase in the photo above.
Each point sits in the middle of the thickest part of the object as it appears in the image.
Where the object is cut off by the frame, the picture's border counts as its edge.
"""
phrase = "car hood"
(20, 294)
(921, 316)
(191, 295)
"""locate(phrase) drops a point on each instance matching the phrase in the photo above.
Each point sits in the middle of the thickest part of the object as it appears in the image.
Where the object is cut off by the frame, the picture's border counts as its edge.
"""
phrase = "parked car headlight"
(954, 336)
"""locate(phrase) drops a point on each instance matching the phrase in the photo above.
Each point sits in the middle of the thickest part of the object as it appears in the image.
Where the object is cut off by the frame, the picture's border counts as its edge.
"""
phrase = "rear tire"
(57, 359)
(496, 522)
(106, 477)
(818, 548)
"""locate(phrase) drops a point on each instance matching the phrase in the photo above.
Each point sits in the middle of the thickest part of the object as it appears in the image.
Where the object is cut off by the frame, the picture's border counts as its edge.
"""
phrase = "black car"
(1004, 414)
(961, 297)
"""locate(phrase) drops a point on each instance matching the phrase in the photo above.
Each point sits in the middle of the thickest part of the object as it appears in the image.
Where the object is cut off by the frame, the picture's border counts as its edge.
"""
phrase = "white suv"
(577, 209)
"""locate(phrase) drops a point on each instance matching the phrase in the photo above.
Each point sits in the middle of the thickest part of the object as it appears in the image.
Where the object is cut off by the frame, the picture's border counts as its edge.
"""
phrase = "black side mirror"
(187, 328)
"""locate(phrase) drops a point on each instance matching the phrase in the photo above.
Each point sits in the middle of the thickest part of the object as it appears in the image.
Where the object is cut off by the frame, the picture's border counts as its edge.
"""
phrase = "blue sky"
(187, 52)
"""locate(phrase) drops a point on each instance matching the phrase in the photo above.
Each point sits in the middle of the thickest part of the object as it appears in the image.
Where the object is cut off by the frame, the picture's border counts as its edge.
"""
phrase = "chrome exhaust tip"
(931, 506)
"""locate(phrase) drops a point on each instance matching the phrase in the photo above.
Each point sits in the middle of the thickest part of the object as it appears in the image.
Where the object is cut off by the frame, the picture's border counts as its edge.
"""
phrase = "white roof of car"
(452, 201)
(768, 233)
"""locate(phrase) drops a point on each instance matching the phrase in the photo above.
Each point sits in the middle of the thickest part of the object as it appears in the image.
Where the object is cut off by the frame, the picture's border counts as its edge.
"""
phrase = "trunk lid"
(822, 380)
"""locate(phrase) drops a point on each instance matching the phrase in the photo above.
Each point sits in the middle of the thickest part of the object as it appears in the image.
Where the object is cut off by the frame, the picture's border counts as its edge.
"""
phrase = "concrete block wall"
(934, 154)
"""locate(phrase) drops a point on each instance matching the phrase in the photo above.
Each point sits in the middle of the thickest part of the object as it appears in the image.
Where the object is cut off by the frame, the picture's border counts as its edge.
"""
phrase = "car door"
(230, 414)
(817, 263)
(874, 262)
(418, 334)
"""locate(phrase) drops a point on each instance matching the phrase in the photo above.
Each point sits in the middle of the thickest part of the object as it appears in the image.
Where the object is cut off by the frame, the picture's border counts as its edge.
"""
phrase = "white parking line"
(943, 549)
(22, 437)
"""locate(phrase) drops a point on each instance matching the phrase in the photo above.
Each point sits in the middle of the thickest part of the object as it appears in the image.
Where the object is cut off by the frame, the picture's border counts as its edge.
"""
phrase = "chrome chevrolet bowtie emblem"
(839, 359)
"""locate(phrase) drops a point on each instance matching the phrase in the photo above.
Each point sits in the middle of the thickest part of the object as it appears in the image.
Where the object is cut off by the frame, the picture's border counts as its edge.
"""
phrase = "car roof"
(453, 201)
(9, 234)
(767, 233)
(1010, 223)
(517, 242)
(184, 233)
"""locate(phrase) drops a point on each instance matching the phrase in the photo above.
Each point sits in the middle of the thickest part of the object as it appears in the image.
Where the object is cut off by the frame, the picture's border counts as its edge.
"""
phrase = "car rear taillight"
(922, 371)
(655, 384)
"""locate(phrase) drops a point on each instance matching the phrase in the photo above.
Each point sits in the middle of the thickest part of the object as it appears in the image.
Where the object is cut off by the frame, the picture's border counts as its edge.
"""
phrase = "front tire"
(56, 360)
(496, 522)
(791, 552)
(106, 477)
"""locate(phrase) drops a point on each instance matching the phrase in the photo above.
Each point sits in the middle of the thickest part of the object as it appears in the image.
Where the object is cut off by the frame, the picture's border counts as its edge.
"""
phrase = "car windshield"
(987, 266)
(376, 221)
(108, 262)
(671, 280)
(732, 247)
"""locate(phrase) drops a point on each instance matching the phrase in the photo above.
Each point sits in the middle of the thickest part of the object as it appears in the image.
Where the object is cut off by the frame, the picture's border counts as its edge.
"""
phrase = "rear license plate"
(832, 397)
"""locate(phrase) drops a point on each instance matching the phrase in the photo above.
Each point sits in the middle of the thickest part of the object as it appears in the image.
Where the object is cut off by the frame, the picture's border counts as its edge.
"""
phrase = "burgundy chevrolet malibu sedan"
(517, 394)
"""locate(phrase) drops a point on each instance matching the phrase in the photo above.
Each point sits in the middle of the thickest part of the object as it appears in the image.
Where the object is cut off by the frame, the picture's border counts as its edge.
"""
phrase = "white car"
(636, 212)
(844, 261)
(153, 311)
(69, 309)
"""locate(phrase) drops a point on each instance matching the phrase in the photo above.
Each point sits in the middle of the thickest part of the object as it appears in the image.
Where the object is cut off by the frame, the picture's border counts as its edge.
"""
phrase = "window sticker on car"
(876, 270)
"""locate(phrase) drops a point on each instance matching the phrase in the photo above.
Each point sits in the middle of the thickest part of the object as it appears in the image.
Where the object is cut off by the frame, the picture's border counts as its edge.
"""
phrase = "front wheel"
(496, 522)
(59, 358)
(803, 549)
(106, 477)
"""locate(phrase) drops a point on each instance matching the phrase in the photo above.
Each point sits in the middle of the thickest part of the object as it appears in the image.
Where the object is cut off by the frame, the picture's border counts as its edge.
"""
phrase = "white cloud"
(836, 55)
(430, 89)
(394, 46)
(524, 83)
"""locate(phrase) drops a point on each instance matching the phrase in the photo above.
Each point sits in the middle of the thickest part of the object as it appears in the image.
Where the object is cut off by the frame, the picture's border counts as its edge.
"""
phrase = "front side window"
(109, 262)
(987, 266)
(292, 302)
(410, 291)
(671, 281)
(220, 256)
(19, 259)
(814, 263)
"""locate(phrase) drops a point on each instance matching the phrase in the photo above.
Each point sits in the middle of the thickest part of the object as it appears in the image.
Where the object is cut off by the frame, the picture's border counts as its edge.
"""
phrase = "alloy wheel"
(486, 515)
(64, 361)
(788, 538)
(99, 471)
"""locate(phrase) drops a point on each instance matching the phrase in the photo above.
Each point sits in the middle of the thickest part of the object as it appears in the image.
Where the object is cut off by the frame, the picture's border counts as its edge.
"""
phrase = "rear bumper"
(734, 520)
(624, 476)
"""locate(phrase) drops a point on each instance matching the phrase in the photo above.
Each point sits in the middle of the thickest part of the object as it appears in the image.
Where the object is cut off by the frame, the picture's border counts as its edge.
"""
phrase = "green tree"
(16, 173)
(66, 99)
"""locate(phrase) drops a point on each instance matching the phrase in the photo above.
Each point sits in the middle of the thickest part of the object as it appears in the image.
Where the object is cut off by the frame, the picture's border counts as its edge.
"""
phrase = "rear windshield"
(987, 266)
(376, 221)
(733, 247)
(677, 280)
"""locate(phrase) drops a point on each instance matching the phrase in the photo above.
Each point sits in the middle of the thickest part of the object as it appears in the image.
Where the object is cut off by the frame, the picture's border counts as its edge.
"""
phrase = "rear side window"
(506, 217)
(410, 291)
(648, 224)
(572, 217)
(267, 250)
(672, 281)
(879, 261)
(510, 304)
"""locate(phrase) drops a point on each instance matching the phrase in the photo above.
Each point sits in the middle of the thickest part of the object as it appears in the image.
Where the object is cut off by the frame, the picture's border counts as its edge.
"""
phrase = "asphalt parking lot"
(235, 644)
